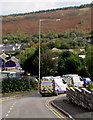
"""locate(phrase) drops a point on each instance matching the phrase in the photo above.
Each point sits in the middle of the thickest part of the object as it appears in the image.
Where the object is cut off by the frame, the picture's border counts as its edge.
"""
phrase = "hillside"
(78, 18)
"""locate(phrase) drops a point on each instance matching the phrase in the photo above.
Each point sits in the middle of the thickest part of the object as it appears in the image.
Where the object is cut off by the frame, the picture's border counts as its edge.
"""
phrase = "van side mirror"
(64, 81)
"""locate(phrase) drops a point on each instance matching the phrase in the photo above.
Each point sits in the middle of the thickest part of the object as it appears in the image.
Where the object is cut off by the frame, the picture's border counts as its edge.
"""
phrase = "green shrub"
(71, 85)
(18, 84)
(90, 86)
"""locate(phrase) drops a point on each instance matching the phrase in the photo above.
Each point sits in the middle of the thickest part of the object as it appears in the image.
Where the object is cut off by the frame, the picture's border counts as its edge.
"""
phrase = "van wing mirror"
(64, 81)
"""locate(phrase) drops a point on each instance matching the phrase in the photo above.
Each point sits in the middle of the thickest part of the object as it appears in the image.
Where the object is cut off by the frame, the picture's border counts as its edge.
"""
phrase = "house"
(82, 56)
(9, 63)
(3, 60)
(71, 50)
(10, 47)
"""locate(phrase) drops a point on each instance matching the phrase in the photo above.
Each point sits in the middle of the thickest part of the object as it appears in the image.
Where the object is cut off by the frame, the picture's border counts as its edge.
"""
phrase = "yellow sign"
(28, 73)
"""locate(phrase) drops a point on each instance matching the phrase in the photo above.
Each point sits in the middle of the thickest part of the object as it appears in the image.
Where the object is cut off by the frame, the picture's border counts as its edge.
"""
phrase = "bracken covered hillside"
(78, 18)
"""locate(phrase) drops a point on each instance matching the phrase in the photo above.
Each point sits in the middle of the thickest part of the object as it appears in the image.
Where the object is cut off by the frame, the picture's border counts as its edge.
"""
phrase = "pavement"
(71, 110)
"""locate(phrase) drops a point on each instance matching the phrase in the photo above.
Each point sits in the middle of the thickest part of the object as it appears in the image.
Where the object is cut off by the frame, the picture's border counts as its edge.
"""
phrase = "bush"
(90, 86)
(71, 85)
(18, 84)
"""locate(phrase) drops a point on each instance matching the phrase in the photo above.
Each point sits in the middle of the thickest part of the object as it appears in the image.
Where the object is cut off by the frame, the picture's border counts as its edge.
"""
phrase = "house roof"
(14, 59)
(3, 56)
(8, 58)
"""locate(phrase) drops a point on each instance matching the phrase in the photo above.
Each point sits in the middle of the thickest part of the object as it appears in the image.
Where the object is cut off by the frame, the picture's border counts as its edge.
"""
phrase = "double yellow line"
(15, 96)
(6, 98)
(9, 98)
(54, 110)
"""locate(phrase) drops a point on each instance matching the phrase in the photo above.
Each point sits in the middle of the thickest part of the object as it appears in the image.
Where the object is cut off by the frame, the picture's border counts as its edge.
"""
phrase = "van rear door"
(46, 86)
(77, 82)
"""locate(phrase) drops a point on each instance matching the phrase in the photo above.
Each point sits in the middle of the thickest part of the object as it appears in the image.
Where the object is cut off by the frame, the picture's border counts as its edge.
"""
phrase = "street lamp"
(40, 38)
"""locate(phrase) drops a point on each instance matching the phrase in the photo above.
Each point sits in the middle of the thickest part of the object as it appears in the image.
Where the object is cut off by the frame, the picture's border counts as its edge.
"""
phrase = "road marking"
(54, 110)
(12, 106)
(17, 96)
(14, 103)
(6, 115)
(10, 98)
(10, 109)
(6, 98)
(8, 112)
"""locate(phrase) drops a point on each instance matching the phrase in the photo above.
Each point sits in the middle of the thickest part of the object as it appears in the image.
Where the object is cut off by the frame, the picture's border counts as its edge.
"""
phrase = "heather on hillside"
(72, 18)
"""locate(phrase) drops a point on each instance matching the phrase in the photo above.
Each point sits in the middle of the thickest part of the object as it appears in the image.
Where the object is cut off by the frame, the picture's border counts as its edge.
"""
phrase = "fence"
(81, 97)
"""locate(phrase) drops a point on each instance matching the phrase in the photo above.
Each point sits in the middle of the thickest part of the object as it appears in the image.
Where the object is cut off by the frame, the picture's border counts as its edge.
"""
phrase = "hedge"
(18, 84)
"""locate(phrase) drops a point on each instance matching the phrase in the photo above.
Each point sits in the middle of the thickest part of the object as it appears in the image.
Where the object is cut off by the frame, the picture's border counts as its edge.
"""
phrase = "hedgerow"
(18, 84)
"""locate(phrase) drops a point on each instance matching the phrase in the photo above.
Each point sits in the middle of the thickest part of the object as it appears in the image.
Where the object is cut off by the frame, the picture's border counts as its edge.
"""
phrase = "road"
(30, 106)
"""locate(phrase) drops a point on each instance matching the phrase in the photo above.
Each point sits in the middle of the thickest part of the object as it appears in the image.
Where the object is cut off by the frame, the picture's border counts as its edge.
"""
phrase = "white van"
(52, 85)
(73, 79)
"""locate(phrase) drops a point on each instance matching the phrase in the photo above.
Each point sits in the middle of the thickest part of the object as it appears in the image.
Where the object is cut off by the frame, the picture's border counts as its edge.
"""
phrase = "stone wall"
(81, 97)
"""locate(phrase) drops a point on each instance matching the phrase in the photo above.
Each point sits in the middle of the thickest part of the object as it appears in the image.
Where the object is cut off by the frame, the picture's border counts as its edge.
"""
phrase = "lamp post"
(40, 39)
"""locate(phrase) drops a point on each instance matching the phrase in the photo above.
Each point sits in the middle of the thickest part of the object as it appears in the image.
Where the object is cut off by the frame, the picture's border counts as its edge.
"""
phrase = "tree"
(31, 63)
(51, 44)
(70, 63)
(48, 62)
(89, 61)
(16, 38)
(91, 37)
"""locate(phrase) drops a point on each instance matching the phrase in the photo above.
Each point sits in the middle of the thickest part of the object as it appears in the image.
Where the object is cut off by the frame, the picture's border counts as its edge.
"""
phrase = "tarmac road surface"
(30, 105)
